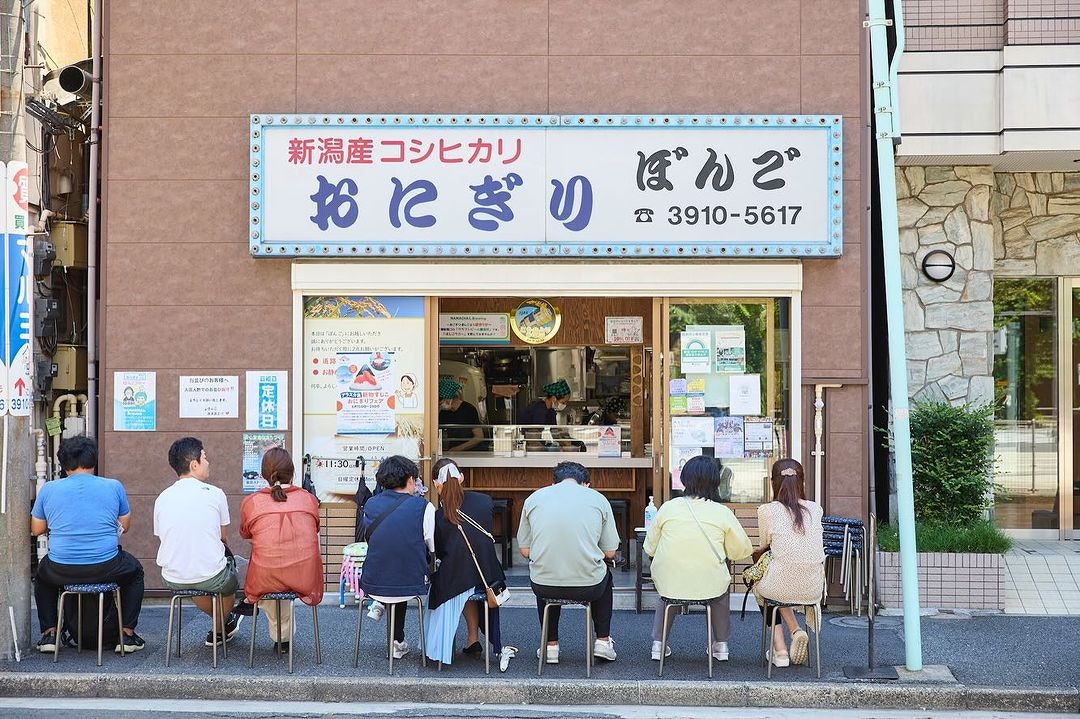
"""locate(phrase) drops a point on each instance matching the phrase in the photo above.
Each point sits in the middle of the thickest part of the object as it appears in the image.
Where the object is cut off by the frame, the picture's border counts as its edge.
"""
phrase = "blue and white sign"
(511, 186)
(266, 401)
(16, 378)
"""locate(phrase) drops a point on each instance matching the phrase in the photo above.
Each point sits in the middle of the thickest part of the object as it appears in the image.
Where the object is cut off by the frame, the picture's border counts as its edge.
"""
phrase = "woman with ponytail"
(457, 577)
(790, 530)
(282, 522)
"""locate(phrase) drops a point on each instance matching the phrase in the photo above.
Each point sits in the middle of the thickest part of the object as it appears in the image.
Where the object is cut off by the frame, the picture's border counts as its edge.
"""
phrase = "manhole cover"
(851, 622)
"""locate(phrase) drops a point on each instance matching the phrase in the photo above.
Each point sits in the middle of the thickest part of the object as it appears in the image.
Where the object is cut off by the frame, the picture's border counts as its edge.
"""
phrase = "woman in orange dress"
(282, 522)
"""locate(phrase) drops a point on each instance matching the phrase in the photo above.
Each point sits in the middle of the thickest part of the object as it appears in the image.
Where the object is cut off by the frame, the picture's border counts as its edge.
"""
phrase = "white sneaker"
(506, 655)
(656, 651)
(376, 611)
(720, 651)
(552, 653)
(605, 649)
(400, 649)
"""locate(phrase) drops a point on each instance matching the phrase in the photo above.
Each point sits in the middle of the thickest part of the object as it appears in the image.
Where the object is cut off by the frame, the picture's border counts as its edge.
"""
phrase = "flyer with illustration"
(366, 392)
(679, 457)
(729, 349)
(255, 446)
(695, 351)
(728, 438)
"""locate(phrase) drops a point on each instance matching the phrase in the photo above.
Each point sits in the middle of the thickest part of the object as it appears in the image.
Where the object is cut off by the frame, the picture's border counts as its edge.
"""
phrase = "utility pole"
(16, 377)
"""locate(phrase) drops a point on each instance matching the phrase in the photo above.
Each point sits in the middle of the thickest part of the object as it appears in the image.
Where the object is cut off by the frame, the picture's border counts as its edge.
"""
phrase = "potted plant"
(960, 562)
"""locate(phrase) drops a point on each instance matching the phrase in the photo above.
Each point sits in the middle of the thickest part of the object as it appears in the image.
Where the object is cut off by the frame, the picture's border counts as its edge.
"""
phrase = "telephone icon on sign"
(643, 214)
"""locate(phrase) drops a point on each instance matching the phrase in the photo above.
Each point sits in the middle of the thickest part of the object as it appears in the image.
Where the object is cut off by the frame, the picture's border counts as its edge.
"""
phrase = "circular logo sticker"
(535, 321)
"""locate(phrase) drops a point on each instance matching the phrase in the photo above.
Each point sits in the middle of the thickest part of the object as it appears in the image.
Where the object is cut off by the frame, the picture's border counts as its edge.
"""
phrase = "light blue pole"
(887, 130)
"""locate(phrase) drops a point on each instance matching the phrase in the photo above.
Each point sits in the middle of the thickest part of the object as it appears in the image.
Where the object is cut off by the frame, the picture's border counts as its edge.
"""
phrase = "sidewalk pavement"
(996, 662)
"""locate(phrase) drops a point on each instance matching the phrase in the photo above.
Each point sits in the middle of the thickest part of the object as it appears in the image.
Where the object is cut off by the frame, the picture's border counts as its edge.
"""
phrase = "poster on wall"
(623, 330)
(134, 401)
(367, 388)
(373, 348)
(267, 401)
(255, 445)
(745, 393)
(457, 328)
(758, 437)
(728, 438)
(692, 431)
(729, 349)
(696, 351)
(679, 457)
(209, 396)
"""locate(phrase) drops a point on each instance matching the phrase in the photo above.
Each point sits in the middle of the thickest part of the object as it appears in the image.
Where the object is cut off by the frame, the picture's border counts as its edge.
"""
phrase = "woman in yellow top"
(690, 541)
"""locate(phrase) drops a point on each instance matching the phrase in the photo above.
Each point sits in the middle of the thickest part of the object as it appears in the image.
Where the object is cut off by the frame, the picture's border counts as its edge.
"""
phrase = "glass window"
(1026, 418)
(729, 389)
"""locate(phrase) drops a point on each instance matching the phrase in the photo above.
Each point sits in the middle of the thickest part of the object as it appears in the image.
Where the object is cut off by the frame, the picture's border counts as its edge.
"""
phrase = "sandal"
(800, 647)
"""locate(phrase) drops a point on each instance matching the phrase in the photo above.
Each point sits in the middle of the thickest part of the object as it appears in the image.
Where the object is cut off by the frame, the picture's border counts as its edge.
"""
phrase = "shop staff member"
(454, 410)
(542, 411)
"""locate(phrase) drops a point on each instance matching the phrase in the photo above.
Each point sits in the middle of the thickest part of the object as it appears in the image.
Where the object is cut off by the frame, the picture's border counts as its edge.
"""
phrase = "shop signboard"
(408, 186)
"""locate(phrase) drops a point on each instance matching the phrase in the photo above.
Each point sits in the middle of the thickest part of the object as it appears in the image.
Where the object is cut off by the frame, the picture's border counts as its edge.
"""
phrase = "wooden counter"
(515, 478)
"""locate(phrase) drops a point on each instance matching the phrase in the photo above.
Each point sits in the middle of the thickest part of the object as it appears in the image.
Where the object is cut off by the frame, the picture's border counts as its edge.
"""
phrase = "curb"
(954, 697)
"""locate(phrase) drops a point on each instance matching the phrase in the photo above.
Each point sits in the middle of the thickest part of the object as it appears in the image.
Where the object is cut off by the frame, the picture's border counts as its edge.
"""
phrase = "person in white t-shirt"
(190, 519)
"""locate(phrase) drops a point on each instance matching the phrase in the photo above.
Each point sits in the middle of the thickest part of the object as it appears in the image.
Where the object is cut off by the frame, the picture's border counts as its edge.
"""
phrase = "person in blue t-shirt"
(83, 515)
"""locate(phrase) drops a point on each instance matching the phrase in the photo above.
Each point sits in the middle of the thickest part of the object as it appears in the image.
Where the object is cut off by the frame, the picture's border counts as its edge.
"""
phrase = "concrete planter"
(948, 581)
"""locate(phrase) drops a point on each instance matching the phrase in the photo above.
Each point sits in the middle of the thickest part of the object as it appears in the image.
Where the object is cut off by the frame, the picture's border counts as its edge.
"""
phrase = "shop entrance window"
(1026, 417)
(728, 389)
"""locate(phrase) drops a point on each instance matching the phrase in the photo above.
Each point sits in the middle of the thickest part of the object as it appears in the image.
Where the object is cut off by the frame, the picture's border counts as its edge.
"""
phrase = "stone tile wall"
(1038, 218)
(1004, 224)
(948, 324)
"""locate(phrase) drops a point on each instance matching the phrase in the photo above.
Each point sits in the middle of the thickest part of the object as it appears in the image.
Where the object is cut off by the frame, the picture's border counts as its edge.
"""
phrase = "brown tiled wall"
(1042, 22)
(989, 24)
(181, 293)
(954, 24)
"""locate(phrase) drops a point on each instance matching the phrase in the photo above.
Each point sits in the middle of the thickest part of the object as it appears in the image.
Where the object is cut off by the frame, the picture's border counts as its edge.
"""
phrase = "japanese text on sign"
(756, 186)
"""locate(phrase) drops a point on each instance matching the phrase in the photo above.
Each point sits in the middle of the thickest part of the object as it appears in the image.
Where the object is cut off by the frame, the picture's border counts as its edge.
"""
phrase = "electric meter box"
(70, 368)
(69, 239)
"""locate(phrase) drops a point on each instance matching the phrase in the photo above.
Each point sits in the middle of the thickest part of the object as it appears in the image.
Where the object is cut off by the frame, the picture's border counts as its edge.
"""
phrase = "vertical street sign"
(17, 393)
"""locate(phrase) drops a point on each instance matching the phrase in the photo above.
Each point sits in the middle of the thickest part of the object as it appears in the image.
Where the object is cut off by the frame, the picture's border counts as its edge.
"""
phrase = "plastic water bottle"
(650, 513)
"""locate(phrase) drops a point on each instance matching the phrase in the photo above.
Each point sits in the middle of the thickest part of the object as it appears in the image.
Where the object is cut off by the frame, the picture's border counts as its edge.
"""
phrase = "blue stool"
(769, 617)
(218, 621)
(390, 617)
(670, 604)
(79, 590)
(290, 597)
(548, 604)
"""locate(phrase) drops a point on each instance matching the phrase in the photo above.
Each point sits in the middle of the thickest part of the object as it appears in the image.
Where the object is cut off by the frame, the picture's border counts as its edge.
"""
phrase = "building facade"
(989, 175)
(201, 312)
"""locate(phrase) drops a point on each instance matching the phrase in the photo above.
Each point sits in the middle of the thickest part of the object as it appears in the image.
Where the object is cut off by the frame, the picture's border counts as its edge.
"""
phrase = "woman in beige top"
(790, 528)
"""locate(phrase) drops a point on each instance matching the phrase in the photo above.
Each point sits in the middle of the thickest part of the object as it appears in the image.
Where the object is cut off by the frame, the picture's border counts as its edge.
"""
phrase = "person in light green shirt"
(691, 540)
(566, 532)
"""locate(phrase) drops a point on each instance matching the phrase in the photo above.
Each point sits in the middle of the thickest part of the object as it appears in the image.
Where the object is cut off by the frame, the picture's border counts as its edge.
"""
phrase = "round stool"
(79, 590)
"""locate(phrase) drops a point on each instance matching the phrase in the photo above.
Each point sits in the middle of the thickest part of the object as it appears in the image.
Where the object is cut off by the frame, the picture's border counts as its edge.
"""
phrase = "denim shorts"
(224, 582)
